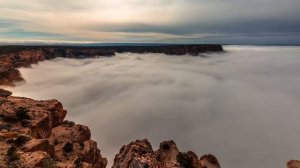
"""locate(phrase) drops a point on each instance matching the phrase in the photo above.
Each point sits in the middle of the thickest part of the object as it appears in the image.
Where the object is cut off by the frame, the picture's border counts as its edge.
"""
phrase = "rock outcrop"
(293, 164)
(34, 134)
(13, 57)
(139, 154)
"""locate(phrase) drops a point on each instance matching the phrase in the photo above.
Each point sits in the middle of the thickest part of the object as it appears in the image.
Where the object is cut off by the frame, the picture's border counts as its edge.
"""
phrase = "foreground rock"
(293, 164)
(34, 134)
(139, 154)
(13, 57)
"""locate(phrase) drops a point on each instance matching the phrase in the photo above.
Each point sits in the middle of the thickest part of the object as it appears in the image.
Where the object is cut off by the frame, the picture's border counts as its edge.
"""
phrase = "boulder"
(209, 161)
(293, 164)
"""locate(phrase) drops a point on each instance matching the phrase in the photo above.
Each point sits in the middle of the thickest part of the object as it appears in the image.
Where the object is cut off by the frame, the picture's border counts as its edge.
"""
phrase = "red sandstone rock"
(39, 145)
(33, 134)
(293, 164)
(139, 154)
(209, 161)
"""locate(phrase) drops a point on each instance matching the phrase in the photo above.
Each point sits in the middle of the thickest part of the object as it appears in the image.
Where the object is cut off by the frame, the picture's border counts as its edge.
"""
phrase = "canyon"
(13, 57)
(35, 133)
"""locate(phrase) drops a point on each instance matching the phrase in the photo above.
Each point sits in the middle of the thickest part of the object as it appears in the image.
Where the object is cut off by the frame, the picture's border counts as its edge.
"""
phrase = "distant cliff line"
(13, 57)
(76, 51)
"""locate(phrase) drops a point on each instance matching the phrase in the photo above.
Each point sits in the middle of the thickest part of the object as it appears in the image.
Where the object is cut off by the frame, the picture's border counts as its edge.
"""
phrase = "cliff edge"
(34, 134)
(13, 57)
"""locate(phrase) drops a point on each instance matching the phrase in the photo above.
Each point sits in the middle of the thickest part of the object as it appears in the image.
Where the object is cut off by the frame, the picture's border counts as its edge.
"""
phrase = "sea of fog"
(242, 105)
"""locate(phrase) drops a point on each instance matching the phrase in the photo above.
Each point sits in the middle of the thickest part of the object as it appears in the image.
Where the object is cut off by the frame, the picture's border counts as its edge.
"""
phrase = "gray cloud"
(132, 20)
(242, 106)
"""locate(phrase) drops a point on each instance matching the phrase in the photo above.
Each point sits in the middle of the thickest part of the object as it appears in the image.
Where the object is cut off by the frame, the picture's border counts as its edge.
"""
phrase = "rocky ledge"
(34, 134)
(139, 154)
(13, 57)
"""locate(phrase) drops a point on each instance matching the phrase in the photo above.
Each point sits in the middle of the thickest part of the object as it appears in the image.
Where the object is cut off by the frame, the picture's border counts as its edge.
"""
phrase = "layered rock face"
(139, 154)
(34, 134)
(10, 62)
(13, 57)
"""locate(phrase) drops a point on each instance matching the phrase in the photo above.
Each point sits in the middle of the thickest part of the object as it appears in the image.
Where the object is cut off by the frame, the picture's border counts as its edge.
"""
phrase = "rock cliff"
(293, 164)
(34, 134)
(13, 57)
(139, 154)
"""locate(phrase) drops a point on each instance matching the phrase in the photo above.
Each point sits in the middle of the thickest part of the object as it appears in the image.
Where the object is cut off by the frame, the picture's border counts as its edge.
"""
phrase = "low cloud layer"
(150, 20)
(243, 105)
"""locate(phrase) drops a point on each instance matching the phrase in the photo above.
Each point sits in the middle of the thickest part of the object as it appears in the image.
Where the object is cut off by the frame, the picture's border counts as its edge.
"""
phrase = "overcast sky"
(177, 21)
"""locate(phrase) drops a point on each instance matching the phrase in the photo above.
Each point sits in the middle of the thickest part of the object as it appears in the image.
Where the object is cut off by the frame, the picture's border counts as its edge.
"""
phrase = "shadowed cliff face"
(240, 104)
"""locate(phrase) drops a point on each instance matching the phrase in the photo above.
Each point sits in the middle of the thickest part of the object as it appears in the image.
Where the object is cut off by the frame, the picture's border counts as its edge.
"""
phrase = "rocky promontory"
(13, 57)
(34, 134)
(139, 154)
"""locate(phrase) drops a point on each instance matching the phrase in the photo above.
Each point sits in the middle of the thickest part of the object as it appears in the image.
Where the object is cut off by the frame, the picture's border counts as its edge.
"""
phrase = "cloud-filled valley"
(241, 105)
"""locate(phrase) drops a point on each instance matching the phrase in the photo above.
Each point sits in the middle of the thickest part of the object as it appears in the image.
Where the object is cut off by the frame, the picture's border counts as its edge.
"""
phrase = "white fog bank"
(242, 106)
